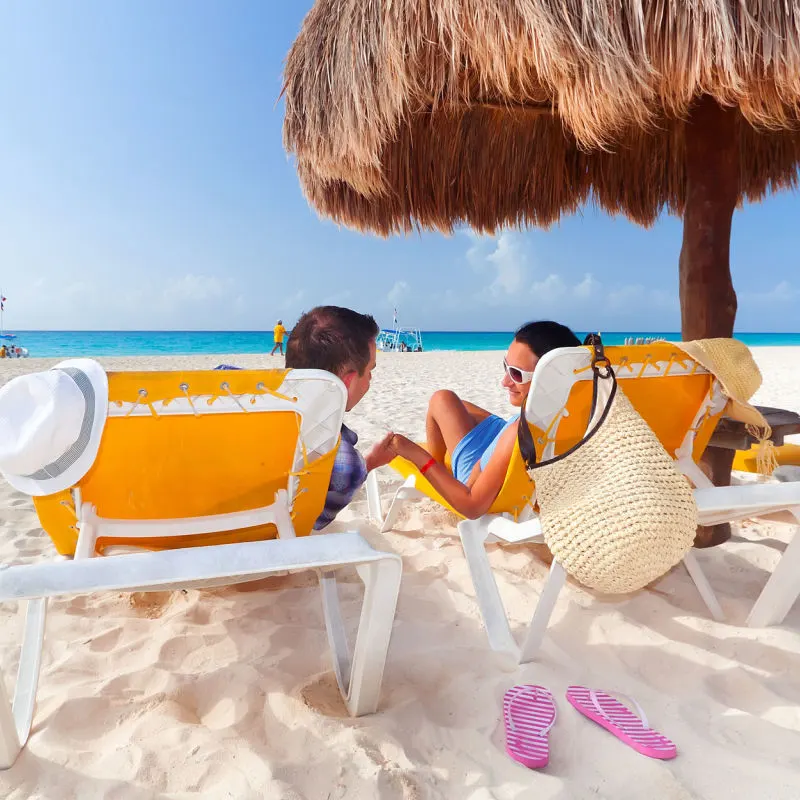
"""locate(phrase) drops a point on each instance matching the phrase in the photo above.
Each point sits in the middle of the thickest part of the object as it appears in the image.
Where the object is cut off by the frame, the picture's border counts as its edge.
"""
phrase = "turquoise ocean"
(68, 344)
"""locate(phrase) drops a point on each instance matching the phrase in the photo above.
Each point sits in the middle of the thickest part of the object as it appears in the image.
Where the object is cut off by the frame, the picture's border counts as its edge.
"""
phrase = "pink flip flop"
(529, 713)
(607, 711)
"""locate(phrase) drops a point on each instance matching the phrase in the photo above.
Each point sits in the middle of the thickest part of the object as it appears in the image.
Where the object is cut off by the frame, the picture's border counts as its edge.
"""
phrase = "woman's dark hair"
(544, 336)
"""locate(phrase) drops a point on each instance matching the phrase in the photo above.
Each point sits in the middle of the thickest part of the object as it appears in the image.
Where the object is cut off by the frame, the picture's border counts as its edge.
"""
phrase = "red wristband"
(427, 465)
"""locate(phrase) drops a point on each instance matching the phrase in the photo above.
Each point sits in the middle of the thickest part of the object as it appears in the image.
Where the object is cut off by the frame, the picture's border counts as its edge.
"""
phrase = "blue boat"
(400, 340)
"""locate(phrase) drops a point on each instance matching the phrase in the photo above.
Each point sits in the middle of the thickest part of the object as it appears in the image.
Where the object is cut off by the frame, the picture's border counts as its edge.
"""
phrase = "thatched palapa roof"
(432, 113)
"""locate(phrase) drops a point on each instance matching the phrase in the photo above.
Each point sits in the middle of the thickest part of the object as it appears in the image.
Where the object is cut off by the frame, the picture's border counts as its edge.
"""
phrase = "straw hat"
(732, 364)
(51, 424)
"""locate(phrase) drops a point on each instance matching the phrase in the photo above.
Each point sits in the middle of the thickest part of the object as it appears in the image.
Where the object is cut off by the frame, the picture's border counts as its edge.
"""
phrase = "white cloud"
(191, 288)
(399, 292)
(638, 298)
(514, 281)
(556, 297)
(550, 290)
(509, 259)
(476, 252)
(588, 288)
(337, 298)
(293, 299)
(504, 260)
(508, 263)
(783, 292)
(450, 299)
(134, 300)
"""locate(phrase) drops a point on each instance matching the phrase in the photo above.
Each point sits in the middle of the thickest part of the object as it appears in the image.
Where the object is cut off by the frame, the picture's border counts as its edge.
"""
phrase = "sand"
(229, 692)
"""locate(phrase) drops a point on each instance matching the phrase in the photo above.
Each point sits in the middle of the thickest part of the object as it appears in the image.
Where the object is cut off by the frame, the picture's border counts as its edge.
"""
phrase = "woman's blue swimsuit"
(478, 445)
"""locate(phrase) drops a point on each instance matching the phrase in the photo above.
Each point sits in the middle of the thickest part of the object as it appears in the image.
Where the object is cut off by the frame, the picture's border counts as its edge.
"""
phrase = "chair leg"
(87, 532)
(15, 721)
(360, 678)
(544, 609)
(10, 745)
(703, 586)
(473, 539)
(406, 492)
(374, 508)
(334, 626)
(782, 588)
(393, 512)
(381, 588)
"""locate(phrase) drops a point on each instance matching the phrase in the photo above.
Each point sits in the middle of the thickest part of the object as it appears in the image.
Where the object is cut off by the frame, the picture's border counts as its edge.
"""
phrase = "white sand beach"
(229, 692)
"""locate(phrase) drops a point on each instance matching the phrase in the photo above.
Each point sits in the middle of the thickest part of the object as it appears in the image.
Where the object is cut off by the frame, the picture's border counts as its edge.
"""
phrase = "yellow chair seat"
(513, 497)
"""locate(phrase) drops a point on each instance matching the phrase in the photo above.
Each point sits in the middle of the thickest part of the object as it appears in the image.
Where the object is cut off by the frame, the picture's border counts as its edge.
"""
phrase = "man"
(278, 333)
(341, 341)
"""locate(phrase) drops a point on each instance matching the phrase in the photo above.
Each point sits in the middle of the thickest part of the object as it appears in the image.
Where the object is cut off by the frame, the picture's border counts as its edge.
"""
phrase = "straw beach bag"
(615, 512)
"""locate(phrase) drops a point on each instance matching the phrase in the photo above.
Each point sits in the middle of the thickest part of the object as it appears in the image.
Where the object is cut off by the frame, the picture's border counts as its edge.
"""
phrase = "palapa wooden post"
(708, 299)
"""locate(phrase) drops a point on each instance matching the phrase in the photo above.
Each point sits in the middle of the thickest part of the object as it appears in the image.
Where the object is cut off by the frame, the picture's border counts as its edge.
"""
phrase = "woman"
(481, 443)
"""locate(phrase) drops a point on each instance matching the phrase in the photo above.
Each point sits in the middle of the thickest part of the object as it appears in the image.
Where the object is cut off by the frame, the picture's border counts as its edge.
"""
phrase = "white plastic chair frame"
(319, 398)
(555, 375)
(406, 492)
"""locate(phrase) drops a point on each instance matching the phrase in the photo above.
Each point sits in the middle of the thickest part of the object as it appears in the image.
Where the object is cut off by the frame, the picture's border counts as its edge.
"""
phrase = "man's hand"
(381, 453)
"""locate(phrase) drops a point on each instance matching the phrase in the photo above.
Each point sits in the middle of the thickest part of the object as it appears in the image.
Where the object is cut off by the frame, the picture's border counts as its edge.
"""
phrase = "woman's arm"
(471, 501)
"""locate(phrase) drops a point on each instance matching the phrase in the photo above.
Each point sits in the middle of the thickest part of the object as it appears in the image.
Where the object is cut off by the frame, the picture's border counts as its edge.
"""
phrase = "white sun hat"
(51, 424)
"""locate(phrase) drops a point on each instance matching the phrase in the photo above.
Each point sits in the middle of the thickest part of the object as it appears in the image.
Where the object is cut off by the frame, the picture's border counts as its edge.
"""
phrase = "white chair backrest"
(560, 370)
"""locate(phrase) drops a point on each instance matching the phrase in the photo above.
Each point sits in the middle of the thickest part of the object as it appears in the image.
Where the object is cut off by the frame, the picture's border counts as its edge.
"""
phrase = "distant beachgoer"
(480, 443)
(3, 352)
(341, 341)
(278, 332)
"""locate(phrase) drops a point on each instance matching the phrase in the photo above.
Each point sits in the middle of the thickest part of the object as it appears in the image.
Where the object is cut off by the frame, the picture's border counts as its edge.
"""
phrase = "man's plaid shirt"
(348, 474)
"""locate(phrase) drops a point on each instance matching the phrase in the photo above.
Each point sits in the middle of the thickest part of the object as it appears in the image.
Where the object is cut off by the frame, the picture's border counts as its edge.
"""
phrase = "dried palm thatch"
(432, 113)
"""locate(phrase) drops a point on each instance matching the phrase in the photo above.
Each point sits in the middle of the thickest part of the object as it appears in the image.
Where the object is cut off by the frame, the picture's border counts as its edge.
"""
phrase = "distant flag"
(394, 319)
(2, 303)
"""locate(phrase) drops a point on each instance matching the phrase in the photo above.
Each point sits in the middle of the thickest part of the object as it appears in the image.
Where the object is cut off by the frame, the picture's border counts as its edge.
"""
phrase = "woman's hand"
(471, 501)
(404, 447)
(410, 451)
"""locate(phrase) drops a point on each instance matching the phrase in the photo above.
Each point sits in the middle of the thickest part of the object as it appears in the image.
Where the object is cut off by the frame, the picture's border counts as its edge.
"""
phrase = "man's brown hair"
(332, 338)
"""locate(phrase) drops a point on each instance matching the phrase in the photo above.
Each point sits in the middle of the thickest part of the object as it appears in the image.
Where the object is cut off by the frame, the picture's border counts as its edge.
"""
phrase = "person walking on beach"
(341, 341)
(278, 332)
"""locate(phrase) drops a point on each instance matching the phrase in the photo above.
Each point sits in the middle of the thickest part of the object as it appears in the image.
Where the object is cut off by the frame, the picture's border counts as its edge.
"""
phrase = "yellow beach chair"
(213, 478)
(682, 402)
(514, 497)
(785, 455)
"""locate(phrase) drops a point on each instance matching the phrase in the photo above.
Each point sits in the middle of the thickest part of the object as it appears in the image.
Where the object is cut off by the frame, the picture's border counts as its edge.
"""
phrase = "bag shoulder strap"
(601, 369)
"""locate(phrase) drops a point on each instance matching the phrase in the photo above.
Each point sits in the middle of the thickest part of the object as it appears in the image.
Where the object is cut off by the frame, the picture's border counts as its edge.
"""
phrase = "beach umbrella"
(432, 114)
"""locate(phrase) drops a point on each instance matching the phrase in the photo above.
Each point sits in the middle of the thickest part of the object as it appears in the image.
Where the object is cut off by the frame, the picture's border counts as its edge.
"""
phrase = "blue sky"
(143, 185)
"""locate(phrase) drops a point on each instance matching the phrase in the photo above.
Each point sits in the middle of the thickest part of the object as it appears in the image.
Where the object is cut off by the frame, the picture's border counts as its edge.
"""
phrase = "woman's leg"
(449, 420)
(478, 414)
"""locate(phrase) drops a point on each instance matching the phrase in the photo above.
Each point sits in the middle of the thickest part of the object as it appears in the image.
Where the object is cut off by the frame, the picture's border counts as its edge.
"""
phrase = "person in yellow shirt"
(279, 332)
